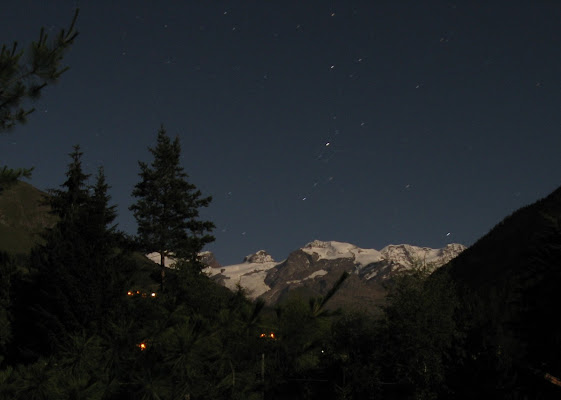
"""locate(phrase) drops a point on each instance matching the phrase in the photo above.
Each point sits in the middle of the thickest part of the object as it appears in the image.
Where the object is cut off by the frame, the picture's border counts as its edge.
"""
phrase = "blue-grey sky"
(369, 122)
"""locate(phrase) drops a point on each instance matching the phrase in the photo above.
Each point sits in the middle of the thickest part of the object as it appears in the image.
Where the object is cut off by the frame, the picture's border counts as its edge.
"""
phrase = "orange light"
(129, 293)
(272, 335)
(142, 346)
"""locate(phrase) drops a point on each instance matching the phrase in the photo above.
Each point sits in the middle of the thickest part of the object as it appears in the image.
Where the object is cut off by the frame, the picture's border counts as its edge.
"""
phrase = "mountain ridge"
(316, 266)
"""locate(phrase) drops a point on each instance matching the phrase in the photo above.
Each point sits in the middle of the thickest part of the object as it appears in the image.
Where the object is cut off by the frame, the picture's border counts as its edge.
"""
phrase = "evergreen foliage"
(167, 209)
(76, 266)
(70, 330)
(352, 356)
(7, 274)
(22, 77)
(9, 176)
(418, 331)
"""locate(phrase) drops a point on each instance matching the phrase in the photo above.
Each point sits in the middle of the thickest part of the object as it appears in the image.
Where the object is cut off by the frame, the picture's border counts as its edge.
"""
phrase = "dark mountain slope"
(23, 216)
(509, 283)
(509, 247)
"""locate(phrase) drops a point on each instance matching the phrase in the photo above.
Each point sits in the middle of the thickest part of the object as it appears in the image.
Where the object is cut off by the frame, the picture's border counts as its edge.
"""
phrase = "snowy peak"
(259, 258)
(319, 264)
(408, 255)
(250, 274)
(208, 259)
(333, 250)
(403, 254)
(329, 250)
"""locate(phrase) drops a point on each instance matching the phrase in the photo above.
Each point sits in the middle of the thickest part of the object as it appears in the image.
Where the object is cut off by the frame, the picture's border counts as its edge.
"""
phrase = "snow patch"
(321, 272)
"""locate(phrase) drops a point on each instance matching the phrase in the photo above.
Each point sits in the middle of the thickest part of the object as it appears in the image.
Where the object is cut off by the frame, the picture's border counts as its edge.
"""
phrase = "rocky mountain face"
(208, 259)
(313, 269)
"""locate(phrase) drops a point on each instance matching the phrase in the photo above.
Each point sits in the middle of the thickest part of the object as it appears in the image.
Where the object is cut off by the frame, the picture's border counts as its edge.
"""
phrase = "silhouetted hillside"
(509, 284)
(509, 246)
(23, 216)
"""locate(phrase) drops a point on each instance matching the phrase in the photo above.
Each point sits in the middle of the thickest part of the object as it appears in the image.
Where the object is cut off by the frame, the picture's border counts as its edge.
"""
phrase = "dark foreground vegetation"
(84, 315)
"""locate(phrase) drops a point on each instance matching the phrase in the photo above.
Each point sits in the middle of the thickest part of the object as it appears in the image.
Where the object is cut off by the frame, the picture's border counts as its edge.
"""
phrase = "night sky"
(369, 122)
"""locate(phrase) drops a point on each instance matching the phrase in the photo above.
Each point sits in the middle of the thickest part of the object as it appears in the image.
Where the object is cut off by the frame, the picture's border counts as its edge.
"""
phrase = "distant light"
(129, 293)
(327, 144)
(153, 294)
(270, 335)
(142, 346)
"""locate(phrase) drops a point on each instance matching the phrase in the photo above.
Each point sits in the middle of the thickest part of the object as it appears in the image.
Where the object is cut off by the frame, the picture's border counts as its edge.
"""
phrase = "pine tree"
(20, 81)
(167, 209)
(22, 77)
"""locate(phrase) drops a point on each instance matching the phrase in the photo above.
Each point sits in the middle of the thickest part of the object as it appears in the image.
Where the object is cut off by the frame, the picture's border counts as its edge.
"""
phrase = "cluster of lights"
(268, 335)
(139, 293)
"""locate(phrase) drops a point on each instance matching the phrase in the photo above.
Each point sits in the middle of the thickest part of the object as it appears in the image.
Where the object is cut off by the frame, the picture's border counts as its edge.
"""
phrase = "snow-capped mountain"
(250, 274)
(315, 267)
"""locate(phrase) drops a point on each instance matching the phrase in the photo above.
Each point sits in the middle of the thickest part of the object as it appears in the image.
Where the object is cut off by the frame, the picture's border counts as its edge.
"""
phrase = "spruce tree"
(66, 203)
(74, 264)
(167, 209)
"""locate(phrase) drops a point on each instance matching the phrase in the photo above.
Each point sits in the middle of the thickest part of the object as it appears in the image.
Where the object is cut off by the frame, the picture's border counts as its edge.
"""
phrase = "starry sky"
(369, 122)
